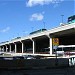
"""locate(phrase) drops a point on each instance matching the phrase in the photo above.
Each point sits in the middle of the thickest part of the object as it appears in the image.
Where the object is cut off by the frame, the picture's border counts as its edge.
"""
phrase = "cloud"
(31, 3)
(5, 30)
(36, 17)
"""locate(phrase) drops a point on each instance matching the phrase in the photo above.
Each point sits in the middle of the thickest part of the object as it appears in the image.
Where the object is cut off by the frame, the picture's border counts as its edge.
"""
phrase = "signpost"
(55, 41)
(55, 46)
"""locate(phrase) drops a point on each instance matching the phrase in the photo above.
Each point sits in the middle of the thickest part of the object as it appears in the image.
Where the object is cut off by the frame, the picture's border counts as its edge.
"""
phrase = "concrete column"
(22, 47)
(50, 44)
(34, 47)
(0, 48)
(15, 47)
(3, 48)
(6, 48)
(10, 47)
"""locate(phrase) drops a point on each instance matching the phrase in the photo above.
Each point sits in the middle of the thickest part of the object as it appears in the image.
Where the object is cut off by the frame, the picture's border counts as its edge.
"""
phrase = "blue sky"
(20, 17)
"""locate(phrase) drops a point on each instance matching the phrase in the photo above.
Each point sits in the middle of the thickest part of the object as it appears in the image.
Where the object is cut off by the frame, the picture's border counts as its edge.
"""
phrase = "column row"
(13, 47)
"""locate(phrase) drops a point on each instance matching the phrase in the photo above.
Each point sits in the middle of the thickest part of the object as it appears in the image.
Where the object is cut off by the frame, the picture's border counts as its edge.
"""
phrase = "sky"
(18, 18)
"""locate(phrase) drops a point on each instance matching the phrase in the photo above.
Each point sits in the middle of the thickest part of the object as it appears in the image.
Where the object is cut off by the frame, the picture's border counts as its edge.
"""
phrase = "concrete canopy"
(69, 32)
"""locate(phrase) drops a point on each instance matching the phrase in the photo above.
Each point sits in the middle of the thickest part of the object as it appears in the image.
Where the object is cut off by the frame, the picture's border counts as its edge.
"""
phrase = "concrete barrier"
(71, 61)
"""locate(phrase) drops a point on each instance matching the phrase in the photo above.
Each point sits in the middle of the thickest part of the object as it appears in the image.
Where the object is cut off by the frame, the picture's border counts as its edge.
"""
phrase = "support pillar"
(34, 47)
(0, 48)
(10, 48)
(15, 47)
(22, 47)
(50, 45)
(6, 48)
(3, 49)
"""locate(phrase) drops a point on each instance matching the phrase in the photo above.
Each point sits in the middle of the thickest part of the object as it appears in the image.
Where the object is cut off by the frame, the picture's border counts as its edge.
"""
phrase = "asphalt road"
(54, 71)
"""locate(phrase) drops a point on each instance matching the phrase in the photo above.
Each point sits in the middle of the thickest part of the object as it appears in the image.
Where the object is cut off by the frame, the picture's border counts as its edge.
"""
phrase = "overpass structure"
(40, 43)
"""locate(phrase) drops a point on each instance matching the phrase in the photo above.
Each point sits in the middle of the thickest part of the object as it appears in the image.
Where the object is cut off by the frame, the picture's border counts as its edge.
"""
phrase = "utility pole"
(44, 24)
(32, 29)
(62, 18)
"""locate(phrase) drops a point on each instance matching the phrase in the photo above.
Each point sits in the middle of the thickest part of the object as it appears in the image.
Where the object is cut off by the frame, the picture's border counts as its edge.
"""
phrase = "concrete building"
(40, 43)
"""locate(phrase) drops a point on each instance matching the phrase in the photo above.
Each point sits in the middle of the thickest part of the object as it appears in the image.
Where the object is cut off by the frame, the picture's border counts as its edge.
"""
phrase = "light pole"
(32, 29)
(62, 18)
(44, 24)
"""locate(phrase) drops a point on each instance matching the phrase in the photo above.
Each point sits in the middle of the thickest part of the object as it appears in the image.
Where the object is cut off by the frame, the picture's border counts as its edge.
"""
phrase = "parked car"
(7, 58)
(1, 58)
(1, 53)
(31, 57)
(18, 57)
(28, 57)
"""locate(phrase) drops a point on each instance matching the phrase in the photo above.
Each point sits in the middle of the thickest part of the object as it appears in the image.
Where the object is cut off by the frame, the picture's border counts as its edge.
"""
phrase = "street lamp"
(62, 18)
(44, 24)
(32, 29)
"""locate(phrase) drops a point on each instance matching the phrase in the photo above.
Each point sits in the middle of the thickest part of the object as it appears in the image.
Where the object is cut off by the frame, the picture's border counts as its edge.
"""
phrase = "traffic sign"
(55, 41)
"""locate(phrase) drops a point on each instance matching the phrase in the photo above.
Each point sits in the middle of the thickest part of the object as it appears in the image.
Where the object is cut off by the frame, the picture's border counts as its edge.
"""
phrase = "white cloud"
(31, 3)
(5, 30)
(37, 17)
